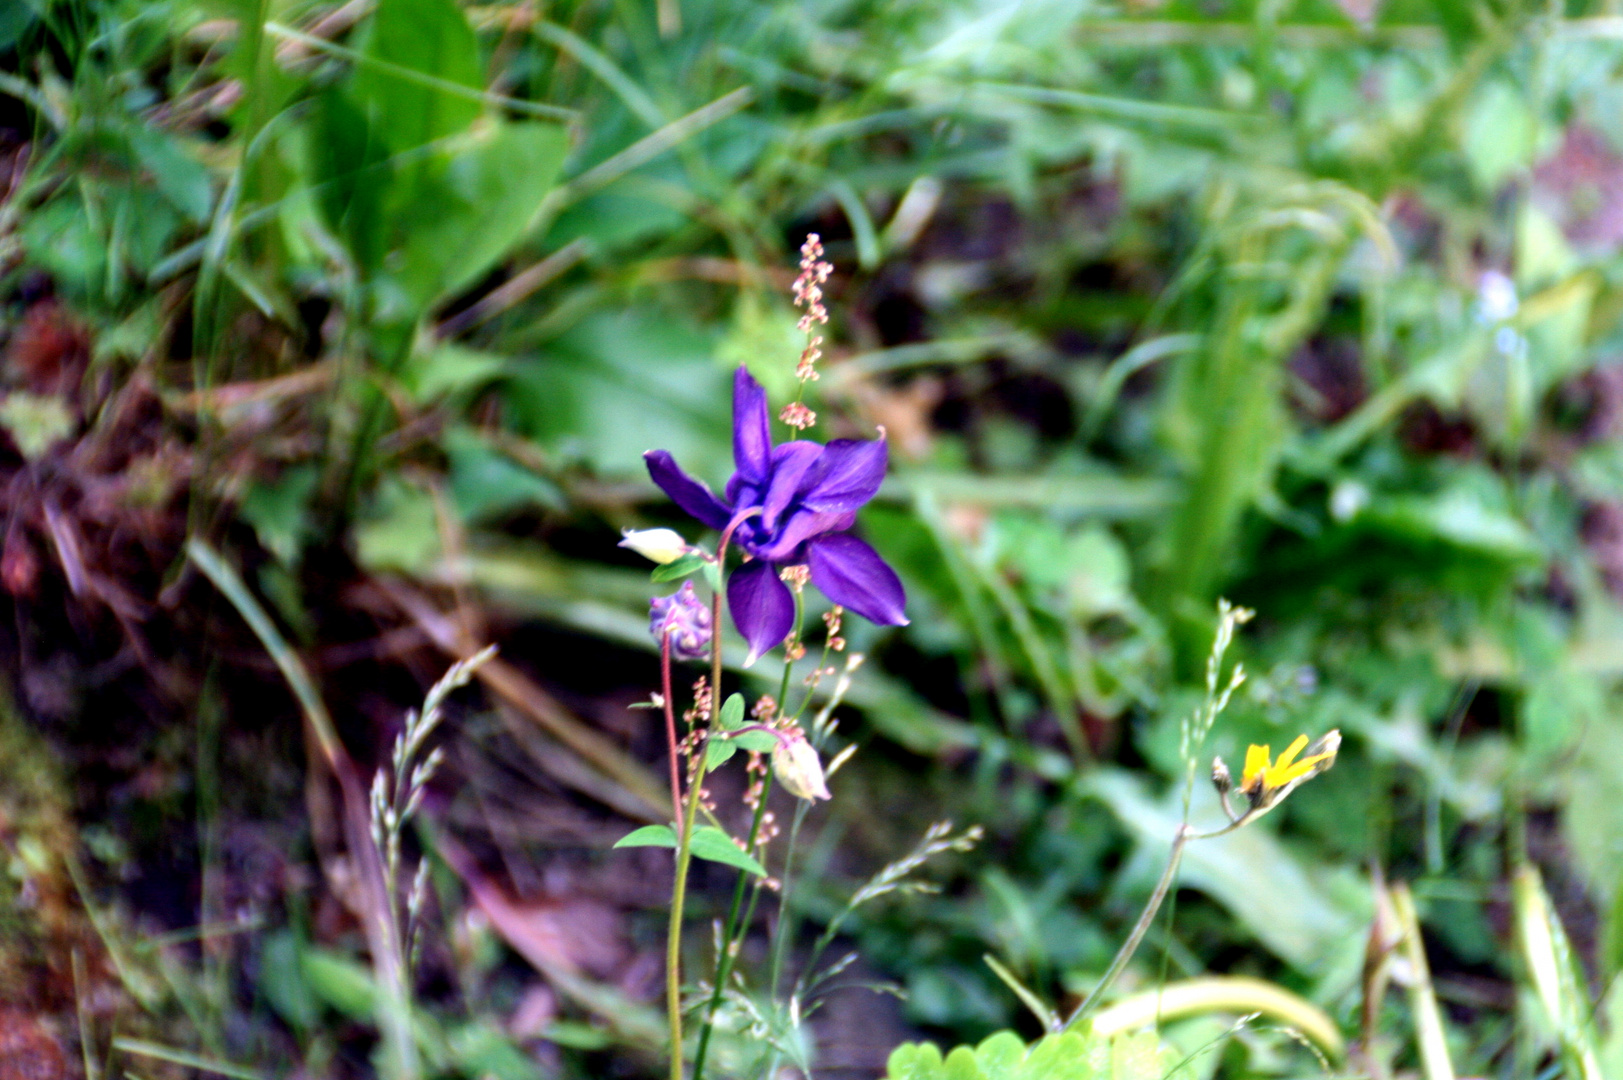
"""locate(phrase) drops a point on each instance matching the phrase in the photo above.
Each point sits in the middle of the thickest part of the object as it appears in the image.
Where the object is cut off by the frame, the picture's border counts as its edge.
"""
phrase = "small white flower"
(1496, 297)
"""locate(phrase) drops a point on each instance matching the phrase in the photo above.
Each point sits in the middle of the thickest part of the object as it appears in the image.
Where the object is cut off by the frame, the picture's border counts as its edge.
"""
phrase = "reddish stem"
(670, 728)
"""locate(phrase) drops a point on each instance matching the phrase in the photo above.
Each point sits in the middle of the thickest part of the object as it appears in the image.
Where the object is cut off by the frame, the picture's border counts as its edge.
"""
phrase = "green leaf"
(761, 742)
(712, 844)
(459, 223)
(399, 530)
(717, 752)
(339, 982)
(486, 483)
(180, 178)
(478, 1049)
(432, 38)
(649, 836)
(279, 511)
(1069, 1055)
(676, 571)
(351, 172)
(731, 717)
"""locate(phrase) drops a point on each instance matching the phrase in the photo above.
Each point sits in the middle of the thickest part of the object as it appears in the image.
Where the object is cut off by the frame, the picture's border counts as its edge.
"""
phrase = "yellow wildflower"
(1265, 783)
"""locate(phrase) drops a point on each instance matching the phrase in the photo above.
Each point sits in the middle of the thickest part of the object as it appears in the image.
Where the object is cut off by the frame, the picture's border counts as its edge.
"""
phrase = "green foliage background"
(1161, 302)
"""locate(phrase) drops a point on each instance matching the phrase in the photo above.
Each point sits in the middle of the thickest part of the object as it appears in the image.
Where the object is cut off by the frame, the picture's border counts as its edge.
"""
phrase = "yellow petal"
(1285, 759)
(1276, 778)
(1256, 763)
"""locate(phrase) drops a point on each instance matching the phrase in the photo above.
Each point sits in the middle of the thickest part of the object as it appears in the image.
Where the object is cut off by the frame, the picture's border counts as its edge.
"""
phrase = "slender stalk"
(1145, 919)
(734, 925)
(684, 849)
(673, 944)
(670, 717)
(732, 930)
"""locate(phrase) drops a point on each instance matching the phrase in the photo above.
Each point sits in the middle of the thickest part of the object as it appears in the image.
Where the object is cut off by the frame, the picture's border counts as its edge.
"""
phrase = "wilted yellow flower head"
(1265, 784)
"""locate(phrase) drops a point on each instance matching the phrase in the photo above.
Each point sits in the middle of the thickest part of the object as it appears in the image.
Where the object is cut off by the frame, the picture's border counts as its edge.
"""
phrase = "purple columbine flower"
(807, 496)
(685, 618)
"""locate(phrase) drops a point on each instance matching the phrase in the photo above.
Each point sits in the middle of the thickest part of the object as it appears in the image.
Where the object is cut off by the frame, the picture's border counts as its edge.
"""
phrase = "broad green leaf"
(623, 382)
(449, 368)
(179, 177)
(348, 162)
(731, 716)
(340, 982)
(486, 483)
(279, 511)
(758, 741)
(399, 530)
(711, 843)
(649, 836)
(458, 223)
(431, 38)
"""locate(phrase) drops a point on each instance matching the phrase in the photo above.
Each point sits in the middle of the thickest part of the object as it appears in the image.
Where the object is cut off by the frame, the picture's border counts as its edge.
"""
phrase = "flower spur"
(790, 505)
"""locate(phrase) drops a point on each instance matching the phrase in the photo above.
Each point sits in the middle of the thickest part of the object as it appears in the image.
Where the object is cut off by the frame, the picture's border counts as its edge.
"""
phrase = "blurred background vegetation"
(1316, 306)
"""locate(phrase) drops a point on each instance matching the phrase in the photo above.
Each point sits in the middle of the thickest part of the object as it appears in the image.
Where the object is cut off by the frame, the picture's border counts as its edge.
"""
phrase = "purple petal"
(686, 492)
(762, 607)
(800, 526)
(847, 475)
(852, 574)
(752, 428)
(790, 463)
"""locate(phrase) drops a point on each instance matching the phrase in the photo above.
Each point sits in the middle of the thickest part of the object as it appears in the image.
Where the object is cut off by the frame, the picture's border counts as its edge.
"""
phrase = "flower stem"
(734, 925)
(732, 929)
(673, 943)
(670, 720)
(690, 811)
(1130, 946)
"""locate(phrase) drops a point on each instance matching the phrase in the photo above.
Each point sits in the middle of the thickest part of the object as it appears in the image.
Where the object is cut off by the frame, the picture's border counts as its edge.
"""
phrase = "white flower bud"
(657, 545)
(799, 769)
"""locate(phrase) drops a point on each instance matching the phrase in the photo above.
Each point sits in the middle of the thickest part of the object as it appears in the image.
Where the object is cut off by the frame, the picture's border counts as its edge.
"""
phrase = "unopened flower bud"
(1222, 780)
(657, 545)
(799, 769)
(685, 619)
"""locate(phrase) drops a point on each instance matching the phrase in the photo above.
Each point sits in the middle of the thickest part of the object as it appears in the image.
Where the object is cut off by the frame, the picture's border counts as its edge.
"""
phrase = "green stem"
(734, 926)
(684, 849)
(673, 944)
(731, 932)
(1145, 919)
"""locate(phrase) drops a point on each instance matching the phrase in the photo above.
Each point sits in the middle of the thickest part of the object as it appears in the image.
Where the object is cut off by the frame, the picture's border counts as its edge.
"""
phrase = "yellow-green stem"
(690, 812)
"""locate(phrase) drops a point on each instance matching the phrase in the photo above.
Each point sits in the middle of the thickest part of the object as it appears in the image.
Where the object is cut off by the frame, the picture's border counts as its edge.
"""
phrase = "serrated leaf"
(712, 844)
(676, 571)
(649, 836)
(732, 713)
